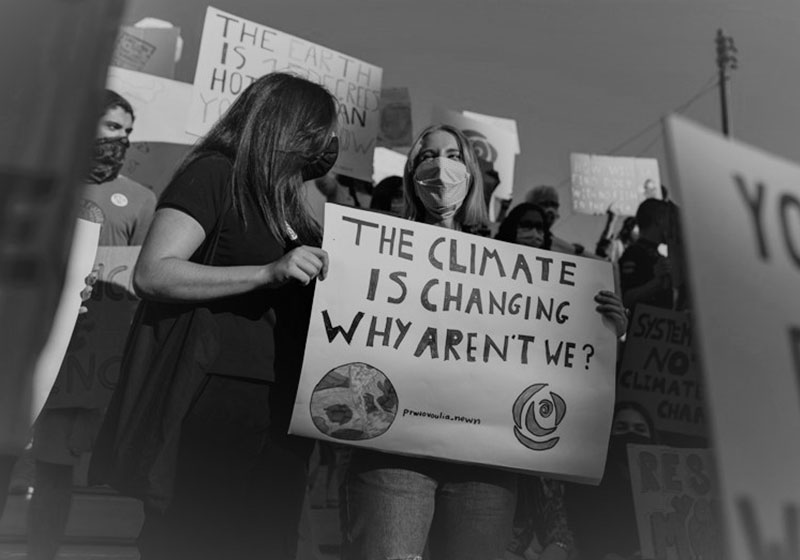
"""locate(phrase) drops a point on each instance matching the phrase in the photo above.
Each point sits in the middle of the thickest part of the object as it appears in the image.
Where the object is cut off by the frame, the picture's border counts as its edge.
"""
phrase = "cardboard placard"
(741, 226)
(396, 127)
(432, 342)
(234, 52)
(602, 181)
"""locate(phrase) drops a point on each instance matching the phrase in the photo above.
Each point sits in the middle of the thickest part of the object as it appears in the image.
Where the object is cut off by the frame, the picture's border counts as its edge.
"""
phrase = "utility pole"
(726, 61)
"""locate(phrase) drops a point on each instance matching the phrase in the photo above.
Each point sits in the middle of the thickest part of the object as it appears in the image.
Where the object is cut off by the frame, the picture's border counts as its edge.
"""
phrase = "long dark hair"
(473, 213)
(508, 228)
(277, 125)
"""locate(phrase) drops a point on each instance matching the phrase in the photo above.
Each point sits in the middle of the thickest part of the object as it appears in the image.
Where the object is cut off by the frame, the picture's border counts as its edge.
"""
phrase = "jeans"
(392, 506)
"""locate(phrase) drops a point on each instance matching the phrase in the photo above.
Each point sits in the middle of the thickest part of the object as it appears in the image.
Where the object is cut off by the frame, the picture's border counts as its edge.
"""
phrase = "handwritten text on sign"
(234, 52)
(433, 342)
(659, 370)
(676, 499)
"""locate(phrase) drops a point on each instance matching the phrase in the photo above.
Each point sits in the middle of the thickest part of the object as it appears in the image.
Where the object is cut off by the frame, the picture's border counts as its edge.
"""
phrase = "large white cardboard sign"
(234, 52)
(432, 342)
(601, 181)
(741, 222)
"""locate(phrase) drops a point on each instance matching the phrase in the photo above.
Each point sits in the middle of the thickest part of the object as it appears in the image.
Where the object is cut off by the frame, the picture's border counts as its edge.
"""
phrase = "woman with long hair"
(392, 505)
(239, 480)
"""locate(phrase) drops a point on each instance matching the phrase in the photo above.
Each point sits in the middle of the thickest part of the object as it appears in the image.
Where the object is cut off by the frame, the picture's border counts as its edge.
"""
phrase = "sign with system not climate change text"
(433, 342)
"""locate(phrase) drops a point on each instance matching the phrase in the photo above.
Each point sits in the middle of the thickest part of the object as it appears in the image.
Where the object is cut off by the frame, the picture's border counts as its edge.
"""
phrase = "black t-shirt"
(636, 268)
(262, 332)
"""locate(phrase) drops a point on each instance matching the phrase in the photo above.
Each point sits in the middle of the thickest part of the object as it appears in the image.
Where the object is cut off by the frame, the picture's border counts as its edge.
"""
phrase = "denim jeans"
(392, 506)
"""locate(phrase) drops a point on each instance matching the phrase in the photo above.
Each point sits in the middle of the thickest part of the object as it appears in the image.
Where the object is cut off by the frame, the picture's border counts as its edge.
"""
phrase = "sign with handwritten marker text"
(602, 181)
(432, 342)
(234, 52)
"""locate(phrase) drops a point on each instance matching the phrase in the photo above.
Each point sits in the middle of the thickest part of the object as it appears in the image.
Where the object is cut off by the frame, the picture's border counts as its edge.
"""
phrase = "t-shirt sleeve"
(200, 190)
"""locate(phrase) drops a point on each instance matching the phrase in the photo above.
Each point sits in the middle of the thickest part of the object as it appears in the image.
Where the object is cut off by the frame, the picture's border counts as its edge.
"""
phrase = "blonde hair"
(473, 213)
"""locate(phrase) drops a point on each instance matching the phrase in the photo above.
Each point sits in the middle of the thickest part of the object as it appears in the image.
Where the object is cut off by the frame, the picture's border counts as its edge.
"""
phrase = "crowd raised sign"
(234, 52)
(741, 224)
(675, 495)
(622, 183)
(90, 369)
(659, 370)
(432, 342)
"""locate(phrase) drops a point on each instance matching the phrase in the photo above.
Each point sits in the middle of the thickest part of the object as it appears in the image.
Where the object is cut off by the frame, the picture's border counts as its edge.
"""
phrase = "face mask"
(441, 185)
(320, 165)
(109, 155)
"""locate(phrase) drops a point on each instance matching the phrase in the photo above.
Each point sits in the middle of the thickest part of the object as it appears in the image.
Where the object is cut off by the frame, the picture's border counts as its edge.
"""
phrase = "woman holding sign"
(393, 505)
(233, 247)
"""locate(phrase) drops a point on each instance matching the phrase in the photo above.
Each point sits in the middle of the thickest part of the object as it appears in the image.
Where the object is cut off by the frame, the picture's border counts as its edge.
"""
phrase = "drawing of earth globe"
(354, 401)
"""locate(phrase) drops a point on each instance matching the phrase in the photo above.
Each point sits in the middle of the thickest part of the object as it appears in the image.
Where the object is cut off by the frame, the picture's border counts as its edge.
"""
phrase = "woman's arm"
(164, 272)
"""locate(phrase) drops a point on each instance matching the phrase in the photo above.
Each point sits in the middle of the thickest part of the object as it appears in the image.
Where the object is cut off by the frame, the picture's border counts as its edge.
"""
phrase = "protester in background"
(61, 436)
(387, 196)
(603, 517)
(546, 196)
(645, 275)
(341, 189)
(239, 479)
(612, 244)
(541, 508)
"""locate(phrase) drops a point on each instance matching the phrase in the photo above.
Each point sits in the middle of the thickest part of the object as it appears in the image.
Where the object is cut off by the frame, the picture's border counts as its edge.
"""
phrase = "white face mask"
(441, 185)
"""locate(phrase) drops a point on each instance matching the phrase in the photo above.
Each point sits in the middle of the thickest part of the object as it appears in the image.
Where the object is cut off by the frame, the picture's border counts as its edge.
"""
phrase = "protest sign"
(387, 163)
(90, 369)
(147, 50)
(396, 127)
(432, 342)
(675, 495)
(600, 181)
(509, 125)
(81, 261)
(160, 105)
(234, 52)
(659, 370)
(740, 213)
(492, 144)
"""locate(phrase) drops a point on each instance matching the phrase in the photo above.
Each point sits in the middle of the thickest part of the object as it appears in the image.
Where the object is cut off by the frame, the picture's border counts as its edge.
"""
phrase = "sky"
(578, 76)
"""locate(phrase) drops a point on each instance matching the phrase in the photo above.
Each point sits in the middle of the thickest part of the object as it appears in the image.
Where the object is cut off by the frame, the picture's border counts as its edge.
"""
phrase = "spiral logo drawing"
(537, 417)
(483, 148)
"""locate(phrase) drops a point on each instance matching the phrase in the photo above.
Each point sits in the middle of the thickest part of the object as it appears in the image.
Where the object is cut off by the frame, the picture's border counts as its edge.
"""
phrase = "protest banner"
(509, 125)
(90, 369)
(234, 52)
(659, 370)
(493, 144)
(80, 264)
(432, 342)
(676, 498)
(396, 126)
(600, 181)
(740, 214)
(160, 105)
(387, 163)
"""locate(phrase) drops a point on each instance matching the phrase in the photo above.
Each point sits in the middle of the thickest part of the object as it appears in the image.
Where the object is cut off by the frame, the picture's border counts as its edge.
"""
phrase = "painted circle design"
(537, 414)
(354, 401)
(483, 148)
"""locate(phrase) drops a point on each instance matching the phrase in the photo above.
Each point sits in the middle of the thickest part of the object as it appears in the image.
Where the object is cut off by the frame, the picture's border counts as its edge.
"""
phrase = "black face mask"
(320, 165)
(109, 155)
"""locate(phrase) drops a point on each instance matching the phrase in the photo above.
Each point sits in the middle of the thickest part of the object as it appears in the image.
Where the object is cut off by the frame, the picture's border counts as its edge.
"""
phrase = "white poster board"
(491, 143)
(234, 52)
(509, 125)
(600, 181)
(161, 106)
(676, 498)
(432, 342)
(741, 222)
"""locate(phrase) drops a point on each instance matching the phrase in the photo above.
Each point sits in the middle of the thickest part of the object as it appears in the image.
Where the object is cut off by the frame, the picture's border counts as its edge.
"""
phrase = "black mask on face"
(109, 155)
(320, 165)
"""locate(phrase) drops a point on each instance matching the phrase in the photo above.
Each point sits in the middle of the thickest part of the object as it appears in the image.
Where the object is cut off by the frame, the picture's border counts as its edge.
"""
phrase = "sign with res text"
(676, 500)
(234, 52)
(660, 371)
(90, 369)
(432, 342)
(602, 181)
(741, 225)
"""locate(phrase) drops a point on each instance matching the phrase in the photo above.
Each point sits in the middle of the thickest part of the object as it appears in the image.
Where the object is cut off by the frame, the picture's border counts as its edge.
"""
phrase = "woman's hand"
(609, 305)
(302, 265)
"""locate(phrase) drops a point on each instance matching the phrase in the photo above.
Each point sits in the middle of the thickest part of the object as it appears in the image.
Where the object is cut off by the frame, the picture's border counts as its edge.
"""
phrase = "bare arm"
(164, 272)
